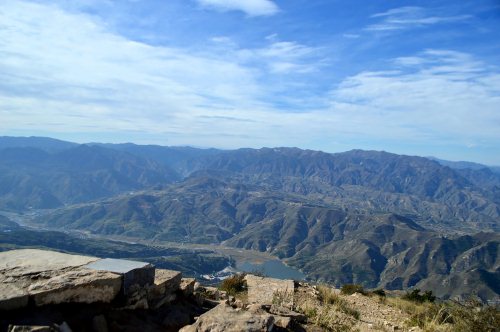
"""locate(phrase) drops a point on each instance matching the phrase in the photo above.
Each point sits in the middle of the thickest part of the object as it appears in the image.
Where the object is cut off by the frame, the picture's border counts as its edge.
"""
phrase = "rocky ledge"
(51, 291)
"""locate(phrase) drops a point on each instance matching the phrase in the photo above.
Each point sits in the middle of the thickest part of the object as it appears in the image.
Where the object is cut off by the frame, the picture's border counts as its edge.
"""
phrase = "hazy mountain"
(43, 143)
(372, 180)
(377, 218)
(176, 157)
(34, 178)
(459, 164)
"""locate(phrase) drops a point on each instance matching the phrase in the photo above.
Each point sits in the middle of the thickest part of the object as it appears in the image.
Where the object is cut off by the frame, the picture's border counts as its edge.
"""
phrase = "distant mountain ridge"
(43, 143)
(34, 178)
(377, 218)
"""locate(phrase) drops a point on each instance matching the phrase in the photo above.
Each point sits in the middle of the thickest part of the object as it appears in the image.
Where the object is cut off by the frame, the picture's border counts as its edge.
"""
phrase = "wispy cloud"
(290, 57)
(440, 95)
(410, 17)
(70, 68)
(250, 7)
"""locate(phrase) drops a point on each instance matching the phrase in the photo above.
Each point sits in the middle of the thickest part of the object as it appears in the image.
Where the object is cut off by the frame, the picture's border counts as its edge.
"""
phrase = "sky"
(409, 77)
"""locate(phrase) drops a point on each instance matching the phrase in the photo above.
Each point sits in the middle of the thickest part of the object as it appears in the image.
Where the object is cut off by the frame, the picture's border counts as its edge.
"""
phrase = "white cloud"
(285, 57)
(410, 17)
(250, 7)
(64, 72)
(439, 95)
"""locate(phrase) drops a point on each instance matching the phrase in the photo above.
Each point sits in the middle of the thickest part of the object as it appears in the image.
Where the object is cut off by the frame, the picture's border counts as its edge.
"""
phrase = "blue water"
(272, 268)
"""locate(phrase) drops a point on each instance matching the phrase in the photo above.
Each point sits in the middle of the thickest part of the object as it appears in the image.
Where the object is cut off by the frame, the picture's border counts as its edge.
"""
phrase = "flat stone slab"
(31, 261)
(79, 285)
(50, 277)
(121, 266)
(264, 290)
(134, 273)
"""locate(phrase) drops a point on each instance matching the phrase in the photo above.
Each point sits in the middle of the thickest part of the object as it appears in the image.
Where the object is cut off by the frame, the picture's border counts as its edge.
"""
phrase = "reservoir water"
(270, 268)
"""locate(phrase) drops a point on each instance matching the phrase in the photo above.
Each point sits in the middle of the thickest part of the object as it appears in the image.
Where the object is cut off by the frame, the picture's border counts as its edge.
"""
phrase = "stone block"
(187, 286)
(78, 285)
(264, 290)
(166, 284)
(133, 272)
(12, 297)
(225, 318)
(167, 281)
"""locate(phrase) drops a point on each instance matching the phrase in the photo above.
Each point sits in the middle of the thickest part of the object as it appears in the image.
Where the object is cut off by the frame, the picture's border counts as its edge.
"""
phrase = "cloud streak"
(410, 17)
(440, 95)
(250, 7)
(72, 69)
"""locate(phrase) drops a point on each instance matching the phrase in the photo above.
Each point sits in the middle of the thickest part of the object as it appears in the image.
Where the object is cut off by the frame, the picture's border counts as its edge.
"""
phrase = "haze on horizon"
(410, 77)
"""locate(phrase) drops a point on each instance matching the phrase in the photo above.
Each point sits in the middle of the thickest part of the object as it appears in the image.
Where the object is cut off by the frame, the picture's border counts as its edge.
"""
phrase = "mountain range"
(369, 217)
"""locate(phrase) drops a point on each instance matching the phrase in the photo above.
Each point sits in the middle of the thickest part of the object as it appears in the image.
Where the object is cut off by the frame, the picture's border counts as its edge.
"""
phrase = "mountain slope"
(335, 245)
(33, 178)
(42, 143)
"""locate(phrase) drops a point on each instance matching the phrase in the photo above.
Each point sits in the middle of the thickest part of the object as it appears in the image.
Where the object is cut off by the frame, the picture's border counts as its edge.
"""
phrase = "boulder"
(133, 273)
(265, 290)
(286, 312)
(78, 285)
(164, 288)
(225, 318)
(12, 296)
(187, 286)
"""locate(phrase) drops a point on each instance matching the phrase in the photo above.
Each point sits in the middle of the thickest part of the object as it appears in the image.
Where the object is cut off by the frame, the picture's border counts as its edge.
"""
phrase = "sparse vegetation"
(379, 292)
(449, 316)
(326, 309)
(415, 296)
(234, 284)
(349, 289)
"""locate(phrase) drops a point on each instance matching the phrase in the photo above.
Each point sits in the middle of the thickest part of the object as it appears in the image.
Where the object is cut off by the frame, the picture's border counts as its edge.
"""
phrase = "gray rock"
(64, 327)
(32, 261)
(99, 324)
(166, 284)
(12, 296)
(283, 322)
(187, 286)
(224, 318)
(133, 272)
(78, 285)
(52, 277)
(265, 290)
(286, 312)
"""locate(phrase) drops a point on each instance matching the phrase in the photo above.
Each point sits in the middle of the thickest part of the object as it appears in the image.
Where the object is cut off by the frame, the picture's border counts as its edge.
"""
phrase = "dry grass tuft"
(326, 309)
(234, 284)
(449, 316)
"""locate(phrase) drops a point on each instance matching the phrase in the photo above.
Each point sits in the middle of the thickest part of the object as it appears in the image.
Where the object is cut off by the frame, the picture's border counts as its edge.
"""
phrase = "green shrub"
(234, 284)
(379, 292)
(349, 289)
(415, 296)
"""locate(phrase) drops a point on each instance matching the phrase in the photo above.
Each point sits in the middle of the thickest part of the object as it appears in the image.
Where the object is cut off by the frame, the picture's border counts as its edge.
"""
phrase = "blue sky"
(410, 77)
